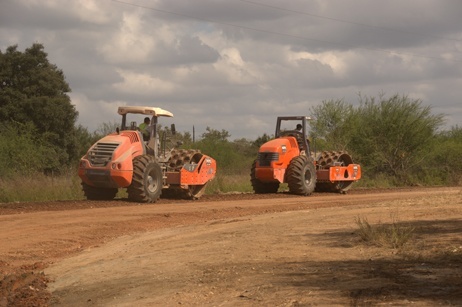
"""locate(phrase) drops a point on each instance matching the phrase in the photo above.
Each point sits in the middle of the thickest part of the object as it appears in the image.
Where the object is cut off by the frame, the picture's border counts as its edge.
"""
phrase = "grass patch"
(40, 187)
(373, 181)
(227, 183)
(393, 235)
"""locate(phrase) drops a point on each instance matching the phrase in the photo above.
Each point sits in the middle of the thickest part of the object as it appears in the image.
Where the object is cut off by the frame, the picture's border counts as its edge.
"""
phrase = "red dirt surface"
(224, 250)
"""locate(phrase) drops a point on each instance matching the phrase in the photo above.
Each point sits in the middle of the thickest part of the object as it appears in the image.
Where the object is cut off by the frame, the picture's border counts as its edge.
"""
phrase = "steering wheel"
(294, 133)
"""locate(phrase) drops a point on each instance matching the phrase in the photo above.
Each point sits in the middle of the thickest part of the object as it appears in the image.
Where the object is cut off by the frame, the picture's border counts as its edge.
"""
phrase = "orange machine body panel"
(194, 173)
(274, 157)
(108, 163)
(351, 172)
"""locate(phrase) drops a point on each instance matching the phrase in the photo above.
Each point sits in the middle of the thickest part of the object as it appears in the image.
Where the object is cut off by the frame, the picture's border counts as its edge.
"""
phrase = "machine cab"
(297, 127)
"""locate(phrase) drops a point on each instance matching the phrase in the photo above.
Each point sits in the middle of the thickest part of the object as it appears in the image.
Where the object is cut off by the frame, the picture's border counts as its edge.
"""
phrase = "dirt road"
(276, 250)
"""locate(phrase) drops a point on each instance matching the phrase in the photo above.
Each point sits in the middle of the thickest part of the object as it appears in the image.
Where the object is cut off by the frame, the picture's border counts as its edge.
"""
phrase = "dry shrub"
(393, 235)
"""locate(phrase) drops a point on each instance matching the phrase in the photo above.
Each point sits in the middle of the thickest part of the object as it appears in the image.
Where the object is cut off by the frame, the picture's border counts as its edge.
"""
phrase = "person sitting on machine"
(144, 128)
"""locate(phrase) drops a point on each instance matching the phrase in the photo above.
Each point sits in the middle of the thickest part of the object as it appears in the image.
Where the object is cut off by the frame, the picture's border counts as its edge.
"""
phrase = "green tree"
(22, 153)
(107, 128)
(215, 135)
(85, 139)
(32, 90)
(215, 144)
(261, 140)
(185, 138)
(333, 124)
(245, 147)
(443, 160)
(394, 134)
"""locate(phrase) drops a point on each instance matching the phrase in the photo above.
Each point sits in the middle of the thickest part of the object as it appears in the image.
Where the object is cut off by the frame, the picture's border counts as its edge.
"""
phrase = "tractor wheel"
(94, 193)
(146, 184)
(262, 187)
(332, 158)
(301, 175)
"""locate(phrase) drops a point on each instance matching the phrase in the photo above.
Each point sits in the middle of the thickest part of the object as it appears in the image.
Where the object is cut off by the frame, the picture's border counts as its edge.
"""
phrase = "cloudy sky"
(236, 64)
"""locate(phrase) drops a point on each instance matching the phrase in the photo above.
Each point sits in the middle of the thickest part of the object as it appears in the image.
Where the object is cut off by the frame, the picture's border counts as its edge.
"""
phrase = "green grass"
(381, 180)
(229, 183)
(394, 234)
(40, 188)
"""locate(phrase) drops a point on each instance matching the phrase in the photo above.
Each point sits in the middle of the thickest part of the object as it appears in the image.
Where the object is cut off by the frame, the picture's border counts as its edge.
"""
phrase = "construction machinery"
(146, 168)
(288, 158)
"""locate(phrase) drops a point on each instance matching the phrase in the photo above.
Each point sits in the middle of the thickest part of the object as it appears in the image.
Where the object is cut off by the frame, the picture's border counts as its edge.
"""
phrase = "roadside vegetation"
(391, 235)
(397, 139)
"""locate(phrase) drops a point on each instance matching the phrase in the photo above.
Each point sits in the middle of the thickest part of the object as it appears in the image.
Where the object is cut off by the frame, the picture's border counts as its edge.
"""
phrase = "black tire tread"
(296, 175)
(137, 190)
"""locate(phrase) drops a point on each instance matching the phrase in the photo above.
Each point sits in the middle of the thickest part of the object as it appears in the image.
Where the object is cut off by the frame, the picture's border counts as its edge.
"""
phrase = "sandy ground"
(246, 250)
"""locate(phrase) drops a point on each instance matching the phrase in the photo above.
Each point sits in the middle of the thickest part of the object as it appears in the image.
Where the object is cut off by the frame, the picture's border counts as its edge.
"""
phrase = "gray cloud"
(236, 65)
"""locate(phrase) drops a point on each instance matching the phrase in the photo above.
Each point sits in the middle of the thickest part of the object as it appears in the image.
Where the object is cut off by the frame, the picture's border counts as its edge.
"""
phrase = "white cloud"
(130, 44)
(91, 11)
(142, 84)
(241, 77)
(94, 113)
(336, 61)
(233, 66)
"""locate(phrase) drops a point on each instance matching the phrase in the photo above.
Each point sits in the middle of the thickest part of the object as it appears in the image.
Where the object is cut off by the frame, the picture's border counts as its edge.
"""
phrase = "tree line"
(396, 137)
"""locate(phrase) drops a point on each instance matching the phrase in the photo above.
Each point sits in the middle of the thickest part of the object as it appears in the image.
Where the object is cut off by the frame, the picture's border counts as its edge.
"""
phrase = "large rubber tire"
(301, 175)
(146, 185)
(94, 193)
(328, 159)
(260, 187)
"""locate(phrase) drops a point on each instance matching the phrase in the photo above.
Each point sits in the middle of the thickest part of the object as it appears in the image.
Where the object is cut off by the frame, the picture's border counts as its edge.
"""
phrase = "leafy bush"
(395, 133)
(22, 153)
(443, 161)
(395, 137)
(232, 157)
